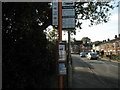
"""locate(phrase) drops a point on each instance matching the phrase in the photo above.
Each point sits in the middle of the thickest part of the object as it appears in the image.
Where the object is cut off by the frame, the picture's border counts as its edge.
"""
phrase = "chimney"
(115, 36)
(104, 41)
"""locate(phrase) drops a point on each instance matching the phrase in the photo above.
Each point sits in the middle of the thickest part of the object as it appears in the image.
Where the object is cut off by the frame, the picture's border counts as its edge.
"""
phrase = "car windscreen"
(93, 54)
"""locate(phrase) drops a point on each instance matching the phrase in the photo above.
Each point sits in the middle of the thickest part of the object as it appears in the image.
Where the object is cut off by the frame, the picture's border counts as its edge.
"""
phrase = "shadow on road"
(82, 79)
(80, 63)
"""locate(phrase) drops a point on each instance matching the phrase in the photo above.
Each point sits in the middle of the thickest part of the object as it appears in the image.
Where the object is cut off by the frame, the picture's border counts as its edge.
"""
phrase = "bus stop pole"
(60, 36)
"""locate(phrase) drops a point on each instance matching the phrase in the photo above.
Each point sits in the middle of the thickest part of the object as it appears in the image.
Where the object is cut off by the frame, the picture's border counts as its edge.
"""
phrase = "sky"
(98, 32)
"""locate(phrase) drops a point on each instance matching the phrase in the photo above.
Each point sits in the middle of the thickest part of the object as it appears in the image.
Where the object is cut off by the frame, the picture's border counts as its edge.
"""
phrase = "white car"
(83, 54)
(92, 56)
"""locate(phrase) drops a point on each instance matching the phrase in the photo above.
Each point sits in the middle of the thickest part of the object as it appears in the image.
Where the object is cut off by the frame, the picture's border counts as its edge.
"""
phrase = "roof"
(78, 42)
(111, 41)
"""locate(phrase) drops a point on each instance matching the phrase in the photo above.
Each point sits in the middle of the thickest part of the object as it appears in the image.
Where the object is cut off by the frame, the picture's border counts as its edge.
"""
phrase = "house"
(83, 45)
(76, 46)
(109, 47)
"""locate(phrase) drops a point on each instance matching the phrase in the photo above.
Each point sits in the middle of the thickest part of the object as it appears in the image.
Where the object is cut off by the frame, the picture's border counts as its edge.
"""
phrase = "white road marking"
(114, 65)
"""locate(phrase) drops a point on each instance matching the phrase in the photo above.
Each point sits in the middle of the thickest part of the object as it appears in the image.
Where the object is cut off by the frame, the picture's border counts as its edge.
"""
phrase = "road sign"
(55, 13)
(68, 12)
(68, 23)
(62, 52)
(68, 4)
(68, 15)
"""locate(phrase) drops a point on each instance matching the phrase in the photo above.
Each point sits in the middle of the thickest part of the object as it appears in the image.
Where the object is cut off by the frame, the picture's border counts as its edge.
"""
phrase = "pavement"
(0, 75)
(105, 58)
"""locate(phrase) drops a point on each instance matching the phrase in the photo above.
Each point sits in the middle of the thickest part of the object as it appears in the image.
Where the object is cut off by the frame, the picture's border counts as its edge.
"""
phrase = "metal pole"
(69, 46)
(69, 62)
(60, 19)
(60, 35)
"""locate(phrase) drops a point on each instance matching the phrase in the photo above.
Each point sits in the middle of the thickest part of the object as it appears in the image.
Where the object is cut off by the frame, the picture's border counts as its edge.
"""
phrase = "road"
(94, 73)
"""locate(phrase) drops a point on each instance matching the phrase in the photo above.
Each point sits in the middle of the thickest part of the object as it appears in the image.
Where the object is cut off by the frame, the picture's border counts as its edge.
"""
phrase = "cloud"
(114, 17)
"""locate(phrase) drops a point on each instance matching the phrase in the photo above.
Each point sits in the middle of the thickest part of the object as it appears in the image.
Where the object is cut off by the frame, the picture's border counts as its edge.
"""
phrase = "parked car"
(92, 55)
(74, 52)
(83, 54)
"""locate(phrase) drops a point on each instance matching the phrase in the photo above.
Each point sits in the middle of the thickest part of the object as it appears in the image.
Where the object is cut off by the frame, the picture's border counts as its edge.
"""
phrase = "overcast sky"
(98, 32)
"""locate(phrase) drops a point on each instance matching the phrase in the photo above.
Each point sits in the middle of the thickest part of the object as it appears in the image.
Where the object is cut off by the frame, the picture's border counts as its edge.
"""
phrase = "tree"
(25, 53)
(95, 12)
(86, 40)
(51, 34)
(97, 43)
(25, 56)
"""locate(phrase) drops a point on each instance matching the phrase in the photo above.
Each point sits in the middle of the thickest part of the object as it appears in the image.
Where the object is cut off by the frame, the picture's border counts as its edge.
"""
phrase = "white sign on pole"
(55, 13)
(68, 23)
(68, 15)
(68, 12)
(62, 69)
(62, 53)
(68, 4)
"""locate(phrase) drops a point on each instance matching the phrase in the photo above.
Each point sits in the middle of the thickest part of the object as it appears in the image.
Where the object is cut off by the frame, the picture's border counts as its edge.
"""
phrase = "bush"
(24, 53)
(115, 57)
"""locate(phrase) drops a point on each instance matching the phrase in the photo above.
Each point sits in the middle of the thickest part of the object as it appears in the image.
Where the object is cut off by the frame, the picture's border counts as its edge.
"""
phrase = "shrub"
(115, 57)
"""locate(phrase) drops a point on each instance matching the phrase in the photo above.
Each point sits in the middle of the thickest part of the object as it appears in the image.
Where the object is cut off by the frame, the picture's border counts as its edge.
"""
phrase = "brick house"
(78, 46)
(109, 47)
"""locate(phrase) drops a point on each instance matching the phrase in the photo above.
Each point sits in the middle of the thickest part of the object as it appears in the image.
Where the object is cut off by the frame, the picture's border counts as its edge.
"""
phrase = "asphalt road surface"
(94, 73)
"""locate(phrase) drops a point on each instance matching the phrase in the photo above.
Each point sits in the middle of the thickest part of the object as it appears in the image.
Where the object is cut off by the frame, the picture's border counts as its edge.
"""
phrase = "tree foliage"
(51, 34)
(95, 12)
(26, 51)
(25, 56)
